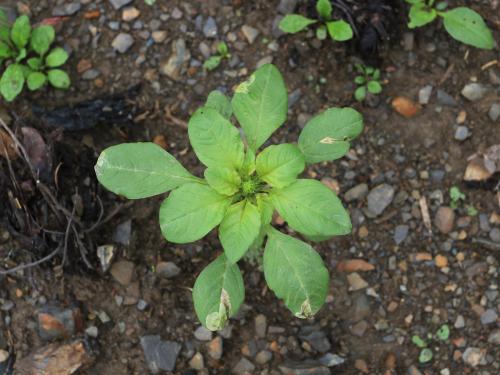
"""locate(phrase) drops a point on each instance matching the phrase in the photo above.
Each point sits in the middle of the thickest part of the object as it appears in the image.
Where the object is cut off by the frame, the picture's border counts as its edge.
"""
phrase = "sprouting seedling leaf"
(420, 15)
(12, 82)
(339, 30)
(212, 62)
(418, 341)
(41, 39)
(293, 23)
(324, 9)
(425, 355)
(456, 196)
(467, 26)
(20, 32)
(443, 333)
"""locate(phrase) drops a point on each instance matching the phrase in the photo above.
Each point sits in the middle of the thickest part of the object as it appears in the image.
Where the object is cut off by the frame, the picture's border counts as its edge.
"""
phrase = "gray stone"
(379, 198)
(203, 334)
(176, 13)
(408, 41)
(444, 98)
(445, 219)
(473, 356)
(360, 307)
(210, 28)
(250, 33)
(167, 269)
(331, 360)
(117, 4)
(459, 322)
(177, 61)
(260, 326)
(474, 91)
(123, 271)
(263, 357)
(122, 42)
(7, 305)
(494, 112)
(462, 133)
(287, 6)
(244, 366)
(357, 192)
(142, 305)
(92, 331)
(400, 233)
(494, 337)
(424, 95)
(66, 9)
(160, 355)
(316, 338)
(307, 367)
(495, 234)
(91, 74)
(488, 317)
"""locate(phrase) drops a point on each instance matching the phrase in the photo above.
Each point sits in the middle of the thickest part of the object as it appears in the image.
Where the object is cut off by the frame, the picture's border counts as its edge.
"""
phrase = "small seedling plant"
(241, 191)
(26, 54)
(368, 81)
(457, 199)
(339, 30)
(442, 334)
(462, 23)
(214, 61)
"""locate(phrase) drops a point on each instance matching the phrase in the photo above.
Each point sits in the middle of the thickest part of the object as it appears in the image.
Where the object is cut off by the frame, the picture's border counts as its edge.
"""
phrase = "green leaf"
(265, 207)
(5, 51)
(339, 30)
(59, 78)
(34, 63)
(20, 32)
(324, 8)
(191, 211)
(260, 104)
(442, 5)
(311, 208)
(293, 23)
(21, 55)
(360, 93)
(327, 136)
(376, 74)
(419, 342)
(219, 102)
(443, 333)
(248, 163)
(218, 293)
(420, 15)
(12, 82)
(239, 229)
(359, 80)
(5, 34)
(468, 27)
(216, 142)
(425, 355)
(222, 49)
(212, 62)
(36, 80)
(279, 165)
(41, 39)
(56, 57)
(296, 274)
(374, 87)
(321, 32)
(140, 170)
(225, 181)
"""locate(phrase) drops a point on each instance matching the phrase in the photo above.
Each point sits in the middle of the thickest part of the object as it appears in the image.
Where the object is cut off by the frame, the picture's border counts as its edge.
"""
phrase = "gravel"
(123, 42)
(474, 91)
(380, 198)
(160, 355)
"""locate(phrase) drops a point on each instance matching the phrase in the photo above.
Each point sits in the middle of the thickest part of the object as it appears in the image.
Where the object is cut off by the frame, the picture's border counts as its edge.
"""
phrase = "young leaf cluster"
(368, 81)
(214, 61)
(462, 23)
(425, 355)
(338, 30)
(26, 53)
(242, 187)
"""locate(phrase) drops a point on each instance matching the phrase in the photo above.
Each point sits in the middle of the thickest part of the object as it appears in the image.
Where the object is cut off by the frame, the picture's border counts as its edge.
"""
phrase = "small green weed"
(368, 81)
(214, 61)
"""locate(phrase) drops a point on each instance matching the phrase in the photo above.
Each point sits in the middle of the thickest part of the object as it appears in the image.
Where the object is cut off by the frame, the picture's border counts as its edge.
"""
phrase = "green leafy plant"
(442, 334)
(241, 190)
(26, 53)
(368, 81)
(215, 60)
(457, 198)
(462, 23)
(338, 30)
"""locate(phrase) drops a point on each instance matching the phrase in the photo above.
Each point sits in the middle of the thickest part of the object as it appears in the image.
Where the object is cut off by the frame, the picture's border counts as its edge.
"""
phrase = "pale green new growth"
(241, 191)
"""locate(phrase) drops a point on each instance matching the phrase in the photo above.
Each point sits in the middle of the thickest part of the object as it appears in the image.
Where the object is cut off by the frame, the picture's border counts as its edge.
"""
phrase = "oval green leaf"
(311, 208)
(36, 80)
(279, 165)
(5, 50)
(324, 8)
(140, 170)
(20, 32)
(34, 63)
(239, 229)
(56, 57)
(360, 93)
(220, 103)
(467, 26)
(327, 136)
(41, 38)
(296, 274)
(218, 293)
(420, 15)
(225, 181)
(374, 87)
(260, 104)
(339, 30)
(59, 78)
(12, 82)
(293, 23)
(191, 211)
(215, 141)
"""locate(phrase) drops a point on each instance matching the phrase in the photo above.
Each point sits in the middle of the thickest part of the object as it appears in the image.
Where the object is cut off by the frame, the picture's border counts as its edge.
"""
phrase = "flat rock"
(444, 219)
(117, 4)
(56, 322)
(474, 91)
(356, 282)
(494, 337)
(260, 326)
(488, 317)
(331, 360)
(307, 367)
(379, 198)
(122, 42)
(494, 112)
(316, 337)
(243, 367)
(287, 6)
(355, 193)
(66, 9)
(473, 356)
(167, 269)
(160, 355)
(400, 233)
(210, 28)
(424, 94)
(215, 348)
(123, 271)
(250, 33)
(461, 133)
(177, 61)
(203, 334)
